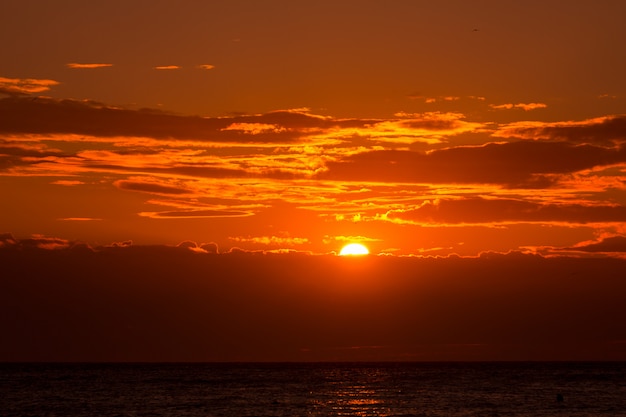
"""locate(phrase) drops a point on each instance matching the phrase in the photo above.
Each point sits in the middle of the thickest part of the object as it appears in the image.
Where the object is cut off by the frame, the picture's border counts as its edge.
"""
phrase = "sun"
(353, 249)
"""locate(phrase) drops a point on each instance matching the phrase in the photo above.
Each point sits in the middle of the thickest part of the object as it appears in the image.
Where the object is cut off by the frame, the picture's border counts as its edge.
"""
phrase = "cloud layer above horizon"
(415, 171)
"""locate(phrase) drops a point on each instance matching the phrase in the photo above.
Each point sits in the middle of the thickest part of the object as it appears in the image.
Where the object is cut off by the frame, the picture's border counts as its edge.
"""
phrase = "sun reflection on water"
(344, 398)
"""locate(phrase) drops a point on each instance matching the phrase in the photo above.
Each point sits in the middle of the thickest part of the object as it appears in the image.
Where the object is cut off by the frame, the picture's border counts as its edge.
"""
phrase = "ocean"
(314, 389)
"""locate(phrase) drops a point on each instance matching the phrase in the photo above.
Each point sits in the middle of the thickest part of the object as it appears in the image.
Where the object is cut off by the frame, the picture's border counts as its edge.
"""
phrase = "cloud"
(74, 65)
(606, 130)
(150, 187)
(7, 241)
(79, 219)
(124, 244)
(430, 100)
(450, 122)
(255, 128)
(167, 67)
(206, 66)
(281, 240)
(515, 164)
(209, 247)
(194, 214)
(172, 304)
(429, 127)
(523, 106)
(19, 86)
(49, 116)
(15, 154)
(478, 210)
(330, 239)
(68, 183)
(610, 244)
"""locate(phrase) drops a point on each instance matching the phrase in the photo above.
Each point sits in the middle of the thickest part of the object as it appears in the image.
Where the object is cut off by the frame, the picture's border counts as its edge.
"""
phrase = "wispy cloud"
(68, 183)
(13, 86)
(206, 66)
(75, 65)
(79, 219)
(167, 67)
(282, 240)
(255, 128)
(342, 238)
(523, 106)
(191, 214)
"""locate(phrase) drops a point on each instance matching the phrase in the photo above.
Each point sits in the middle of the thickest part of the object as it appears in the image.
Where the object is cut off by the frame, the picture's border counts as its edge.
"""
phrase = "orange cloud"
(67, 182)
(255, 128)
(87, 66)
(206, 66)
(330, 239)
(523, 106)
(79, 219)
(281, 240)
(12, 86)
(430, 100)
(167, 67)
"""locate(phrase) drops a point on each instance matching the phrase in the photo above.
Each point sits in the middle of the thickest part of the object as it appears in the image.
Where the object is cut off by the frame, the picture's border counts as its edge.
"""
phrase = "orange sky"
(417, 128)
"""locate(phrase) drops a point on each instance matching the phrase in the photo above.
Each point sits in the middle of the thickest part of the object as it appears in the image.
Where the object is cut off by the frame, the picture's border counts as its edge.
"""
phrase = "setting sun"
(354, 249)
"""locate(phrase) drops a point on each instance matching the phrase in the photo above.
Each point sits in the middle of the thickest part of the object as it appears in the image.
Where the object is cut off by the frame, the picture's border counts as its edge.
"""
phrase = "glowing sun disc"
(354, 249)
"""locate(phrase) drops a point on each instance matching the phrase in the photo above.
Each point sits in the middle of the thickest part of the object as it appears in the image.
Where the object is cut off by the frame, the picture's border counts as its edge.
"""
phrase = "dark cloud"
(157, 303)
(482, 210)
(196, 170)
(519, 164)
(48, 116)
(610, 130)
(7, 241)
(607, 244)
(203, 248)
(149, 187)
(12, 155)
(209, 247)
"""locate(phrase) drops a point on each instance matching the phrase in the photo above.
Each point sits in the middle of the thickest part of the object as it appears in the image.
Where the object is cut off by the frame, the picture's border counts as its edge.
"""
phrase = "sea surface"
(314, 389)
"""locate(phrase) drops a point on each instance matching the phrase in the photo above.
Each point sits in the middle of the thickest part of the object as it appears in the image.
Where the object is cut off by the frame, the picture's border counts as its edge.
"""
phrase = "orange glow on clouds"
(25, 85)
(429, 175)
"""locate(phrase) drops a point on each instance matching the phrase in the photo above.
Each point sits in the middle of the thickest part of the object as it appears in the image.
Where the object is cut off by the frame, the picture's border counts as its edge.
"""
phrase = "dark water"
(343, 389)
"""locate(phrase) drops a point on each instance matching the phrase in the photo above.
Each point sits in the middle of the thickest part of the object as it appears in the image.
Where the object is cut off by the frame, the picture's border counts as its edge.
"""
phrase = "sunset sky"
(427, 131)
